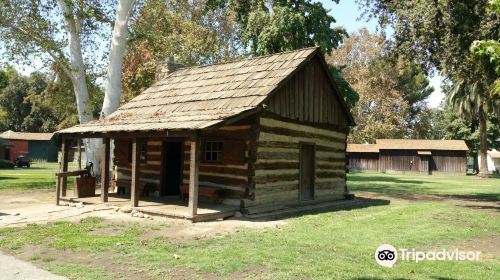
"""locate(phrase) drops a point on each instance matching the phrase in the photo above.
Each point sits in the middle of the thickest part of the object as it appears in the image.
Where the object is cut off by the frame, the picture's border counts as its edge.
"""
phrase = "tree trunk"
(483, 143)
(116, 54)
(78, 79)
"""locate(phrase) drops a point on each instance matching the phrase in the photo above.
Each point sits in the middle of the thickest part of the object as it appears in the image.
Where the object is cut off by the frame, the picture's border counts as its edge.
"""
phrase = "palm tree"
(470, 96)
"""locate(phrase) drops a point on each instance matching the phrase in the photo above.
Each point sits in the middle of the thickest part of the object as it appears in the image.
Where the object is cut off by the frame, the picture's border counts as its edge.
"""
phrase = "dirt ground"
(19, 208)
(22, 208)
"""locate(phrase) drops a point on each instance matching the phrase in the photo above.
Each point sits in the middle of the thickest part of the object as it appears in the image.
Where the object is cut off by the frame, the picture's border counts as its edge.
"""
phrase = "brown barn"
(408, 155)
(258, 134)
(363, 157)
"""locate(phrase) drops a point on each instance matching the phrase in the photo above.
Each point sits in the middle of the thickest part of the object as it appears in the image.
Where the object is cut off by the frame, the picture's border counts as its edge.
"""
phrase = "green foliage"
(211, 31)
(36, 103)
(488, 52)
(6, 164)
(193, 33)
(351, 95)
(280, 25)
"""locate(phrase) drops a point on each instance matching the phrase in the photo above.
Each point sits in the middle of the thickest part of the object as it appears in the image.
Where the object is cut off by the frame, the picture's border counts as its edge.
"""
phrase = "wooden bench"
(213, 194)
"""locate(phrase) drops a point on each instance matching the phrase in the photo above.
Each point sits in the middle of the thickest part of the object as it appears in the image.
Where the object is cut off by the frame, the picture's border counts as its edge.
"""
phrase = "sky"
(348, 15)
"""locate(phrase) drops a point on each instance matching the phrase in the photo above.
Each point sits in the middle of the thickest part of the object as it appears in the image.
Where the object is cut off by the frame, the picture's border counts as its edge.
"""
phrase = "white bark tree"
(116, 54)
(35, 28)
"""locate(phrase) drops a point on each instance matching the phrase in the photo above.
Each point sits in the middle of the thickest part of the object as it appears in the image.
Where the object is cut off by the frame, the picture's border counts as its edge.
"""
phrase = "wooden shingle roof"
(203, 96)
(362, 148)
(30, 136)
(417, 144)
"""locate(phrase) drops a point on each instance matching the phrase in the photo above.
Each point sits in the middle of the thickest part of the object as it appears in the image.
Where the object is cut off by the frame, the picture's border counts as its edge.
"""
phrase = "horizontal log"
(275, 178)
(268, 122)
(266, 172)
(273, 155)
(220, 170)
(330, 174)
(220, 180)
(240, 187)
(277, 165)
(264, 136)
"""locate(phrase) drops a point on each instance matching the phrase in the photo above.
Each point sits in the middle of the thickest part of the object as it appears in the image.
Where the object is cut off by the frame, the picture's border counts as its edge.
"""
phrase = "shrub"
(5, 164)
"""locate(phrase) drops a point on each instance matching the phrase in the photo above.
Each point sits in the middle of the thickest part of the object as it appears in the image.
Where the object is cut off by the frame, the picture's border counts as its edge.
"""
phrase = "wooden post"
(194, 163)
(58, 188)
(64, 165)
(105, 170)
(134, 193)
(79, 153)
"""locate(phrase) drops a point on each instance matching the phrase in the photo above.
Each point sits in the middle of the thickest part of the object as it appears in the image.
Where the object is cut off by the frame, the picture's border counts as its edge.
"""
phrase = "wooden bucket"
(85, 187)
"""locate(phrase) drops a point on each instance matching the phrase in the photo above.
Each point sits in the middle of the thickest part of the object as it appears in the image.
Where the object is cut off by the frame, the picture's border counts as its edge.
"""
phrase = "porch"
(167, 206)
(171, 206)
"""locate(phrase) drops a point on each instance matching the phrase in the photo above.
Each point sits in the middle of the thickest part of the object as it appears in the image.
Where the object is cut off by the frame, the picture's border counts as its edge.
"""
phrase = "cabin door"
(426, 164)
(172, 168)
(307, 172)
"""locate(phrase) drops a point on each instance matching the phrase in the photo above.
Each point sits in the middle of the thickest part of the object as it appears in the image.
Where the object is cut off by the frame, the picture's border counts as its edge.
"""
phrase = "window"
(213, 151)
(143, 152)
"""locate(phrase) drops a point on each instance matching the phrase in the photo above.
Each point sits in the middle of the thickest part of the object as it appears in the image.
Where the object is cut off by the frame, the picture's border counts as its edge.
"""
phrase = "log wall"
(275, 178)
(149, 170)
(232, 173)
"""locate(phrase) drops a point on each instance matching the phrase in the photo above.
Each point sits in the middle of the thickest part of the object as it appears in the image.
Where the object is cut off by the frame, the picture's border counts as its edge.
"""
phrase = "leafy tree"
(392, 91)
(208, 31)
(193, 33)
(438, 35)
(268, 27)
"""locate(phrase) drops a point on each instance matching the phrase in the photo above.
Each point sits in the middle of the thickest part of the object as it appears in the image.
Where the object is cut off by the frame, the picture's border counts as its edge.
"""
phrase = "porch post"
(79, 152)
(64, 165)
(134, 188)
(194, 163)
(105, 170)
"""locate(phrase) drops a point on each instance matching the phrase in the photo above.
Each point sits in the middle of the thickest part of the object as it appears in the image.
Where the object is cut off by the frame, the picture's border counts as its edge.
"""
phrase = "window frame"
(219, 151)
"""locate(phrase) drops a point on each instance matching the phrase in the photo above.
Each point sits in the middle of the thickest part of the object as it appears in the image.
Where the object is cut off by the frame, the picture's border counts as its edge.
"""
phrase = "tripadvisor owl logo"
(386, 255)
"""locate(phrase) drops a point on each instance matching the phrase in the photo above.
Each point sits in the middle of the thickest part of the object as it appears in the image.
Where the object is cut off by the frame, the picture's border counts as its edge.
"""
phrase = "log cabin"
(261, 133)
(409, 155)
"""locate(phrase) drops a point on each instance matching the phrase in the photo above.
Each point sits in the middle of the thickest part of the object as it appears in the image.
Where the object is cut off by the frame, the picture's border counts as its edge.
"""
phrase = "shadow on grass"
(7, 178)
(386, 179)
(341, 205)
(411, 189)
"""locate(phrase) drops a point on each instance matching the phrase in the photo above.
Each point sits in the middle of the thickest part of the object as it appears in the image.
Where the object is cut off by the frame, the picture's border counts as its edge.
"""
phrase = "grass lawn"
(330, 245)
(460, 186)
(41, 175)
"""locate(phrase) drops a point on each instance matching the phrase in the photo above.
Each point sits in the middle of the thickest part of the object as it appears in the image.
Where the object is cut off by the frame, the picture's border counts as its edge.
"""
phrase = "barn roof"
(204, 96)
(414, 144)
(30, 136)
(362, 148)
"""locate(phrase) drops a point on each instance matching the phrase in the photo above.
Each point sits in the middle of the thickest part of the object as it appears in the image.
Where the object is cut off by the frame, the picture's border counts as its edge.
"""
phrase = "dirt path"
(14, 269)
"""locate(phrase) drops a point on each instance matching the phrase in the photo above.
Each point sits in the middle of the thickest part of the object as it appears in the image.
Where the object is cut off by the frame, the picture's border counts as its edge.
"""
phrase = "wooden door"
(172, 168)
(426, 164)
(307, 172)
